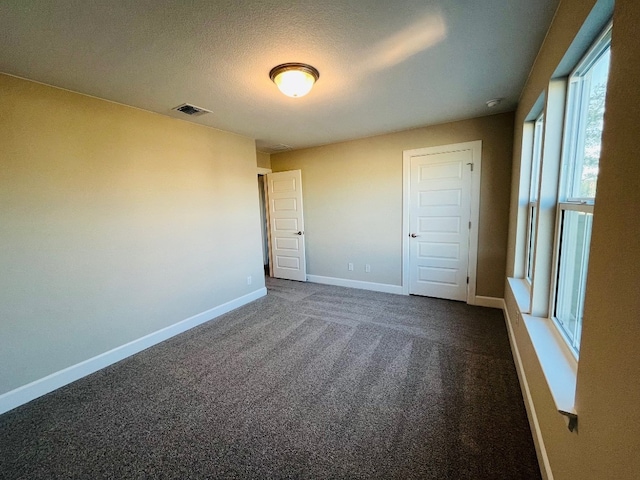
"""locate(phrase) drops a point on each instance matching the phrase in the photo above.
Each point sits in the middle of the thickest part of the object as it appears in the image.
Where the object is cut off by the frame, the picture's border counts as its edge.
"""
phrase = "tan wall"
(353, 200)
(114, 223)
(263, 160)
(608, 392)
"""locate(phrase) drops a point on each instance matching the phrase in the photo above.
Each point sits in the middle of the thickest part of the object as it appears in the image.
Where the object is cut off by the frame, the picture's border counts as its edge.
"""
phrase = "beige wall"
(608, 392)
(353, 200)
(114, 223)
(263, 160)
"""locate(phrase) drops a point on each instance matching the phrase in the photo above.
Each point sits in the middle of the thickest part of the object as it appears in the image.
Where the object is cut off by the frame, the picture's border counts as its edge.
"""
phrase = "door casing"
(299, 274)
(476, 149)
(264, 214)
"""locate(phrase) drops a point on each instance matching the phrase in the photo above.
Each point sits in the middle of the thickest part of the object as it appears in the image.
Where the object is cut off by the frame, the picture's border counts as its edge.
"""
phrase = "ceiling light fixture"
(494, 102)
(294, 79)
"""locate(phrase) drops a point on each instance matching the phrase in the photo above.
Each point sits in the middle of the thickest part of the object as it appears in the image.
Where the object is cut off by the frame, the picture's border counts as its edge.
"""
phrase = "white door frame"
(476, 148)
(270, 227)
(263, 171)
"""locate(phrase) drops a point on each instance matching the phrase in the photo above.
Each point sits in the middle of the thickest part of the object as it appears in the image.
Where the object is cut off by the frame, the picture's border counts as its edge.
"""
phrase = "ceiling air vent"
(191, 110)
(281, 147)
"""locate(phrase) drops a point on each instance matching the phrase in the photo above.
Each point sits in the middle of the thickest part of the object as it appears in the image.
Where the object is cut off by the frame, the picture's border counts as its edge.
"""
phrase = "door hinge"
(467, 280)
(471, 165)
(469, 225)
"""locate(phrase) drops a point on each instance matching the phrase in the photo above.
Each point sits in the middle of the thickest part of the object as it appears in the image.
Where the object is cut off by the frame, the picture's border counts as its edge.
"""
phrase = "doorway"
(262, 172)
(440, 220)
(286, 225)
(282, 218)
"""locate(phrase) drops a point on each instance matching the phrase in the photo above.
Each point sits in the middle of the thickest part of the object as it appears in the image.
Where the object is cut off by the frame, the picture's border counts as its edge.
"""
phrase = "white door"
(286, 225)
(439, 221)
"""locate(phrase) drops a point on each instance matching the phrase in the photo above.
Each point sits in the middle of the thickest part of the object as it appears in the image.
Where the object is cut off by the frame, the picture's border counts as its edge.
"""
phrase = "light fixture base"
(302, 67)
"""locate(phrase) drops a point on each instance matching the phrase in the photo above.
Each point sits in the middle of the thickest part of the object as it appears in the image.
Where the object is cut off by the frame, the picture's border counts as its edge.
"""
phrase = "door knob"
(299, 233)
(413, 235)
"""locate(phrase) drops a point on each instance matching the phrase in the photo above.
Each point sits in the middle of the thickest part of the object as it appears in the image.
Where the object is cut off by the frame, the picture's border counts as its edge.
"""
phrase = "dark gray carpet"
(311, 381)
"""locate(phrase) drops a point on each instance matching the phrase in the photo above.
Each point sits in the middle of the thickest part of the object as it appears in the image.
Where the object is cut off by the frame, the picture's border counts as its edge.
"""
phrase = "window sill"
(522, 293)
(558, 365)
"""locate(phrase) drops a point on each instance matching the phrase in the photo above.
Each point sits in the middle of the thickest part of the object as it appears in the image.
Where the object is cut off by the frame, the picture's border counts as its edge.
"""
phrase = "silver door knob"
(413, 235)
(299, 233)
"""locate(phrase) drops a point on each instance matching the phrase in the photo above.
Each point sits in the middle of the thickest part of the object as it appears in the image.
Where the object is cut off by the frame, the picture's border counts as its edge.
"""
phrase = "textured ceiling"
(384, 65)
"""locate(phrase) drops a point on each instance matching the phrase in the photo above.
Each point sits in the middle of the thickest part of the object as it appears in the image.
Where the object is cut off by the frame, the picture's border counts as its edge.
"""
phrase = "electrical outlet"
(249, 280)
(351, 267)
(367, 268)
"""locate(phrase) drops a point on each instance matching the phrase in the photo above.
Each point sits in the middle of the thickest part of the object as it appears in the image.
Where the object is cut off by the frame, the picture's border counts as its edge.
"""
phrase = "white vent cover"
(191, 110)
(281, 147)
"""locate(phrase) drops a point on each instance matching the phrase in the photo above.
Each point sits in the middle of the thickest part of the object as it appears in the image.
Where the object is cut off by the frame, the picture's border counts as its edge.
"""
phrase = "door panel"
(439, 213)
(286, 225)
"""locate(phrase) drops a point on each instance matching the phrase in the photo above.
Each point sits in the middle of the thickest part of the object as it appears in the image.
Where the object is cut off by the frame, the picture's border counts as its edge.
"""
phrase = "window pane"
(536, 158)
(593, 126)
(587, 102)
(535, 161)
(572, 273)
(531, 241)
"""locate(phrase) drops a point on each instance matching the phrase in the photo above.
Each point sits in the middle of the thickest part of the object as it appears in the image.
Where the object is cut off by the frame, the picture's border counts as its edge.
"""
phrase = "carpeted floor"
(311, 381)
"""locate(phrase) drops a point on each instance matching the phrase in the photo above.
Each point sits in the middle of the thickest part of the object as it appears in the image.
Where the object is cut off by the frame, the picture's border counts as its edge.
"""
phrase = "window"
(533, 196)
(581, 155)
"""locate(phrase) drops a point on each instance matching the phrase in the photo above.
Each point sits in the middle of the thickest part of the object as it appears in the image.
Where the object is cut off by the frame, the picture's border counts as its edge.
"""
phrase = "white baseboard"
(491, 302)
(543, 458)
(33, 390)
(343, 282)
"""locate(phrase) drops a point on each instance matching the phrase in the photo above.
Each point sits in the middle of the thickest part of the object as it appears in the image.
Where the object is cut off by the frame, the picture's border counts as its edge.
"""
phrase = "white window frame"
(577, 102)
(567, 202)
(534, 192)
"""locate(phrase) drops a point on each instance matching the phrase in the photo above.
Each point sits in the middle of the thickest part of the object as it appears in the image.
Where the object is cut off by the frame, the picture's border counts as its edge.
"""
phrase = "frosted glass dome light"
(294, 79)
